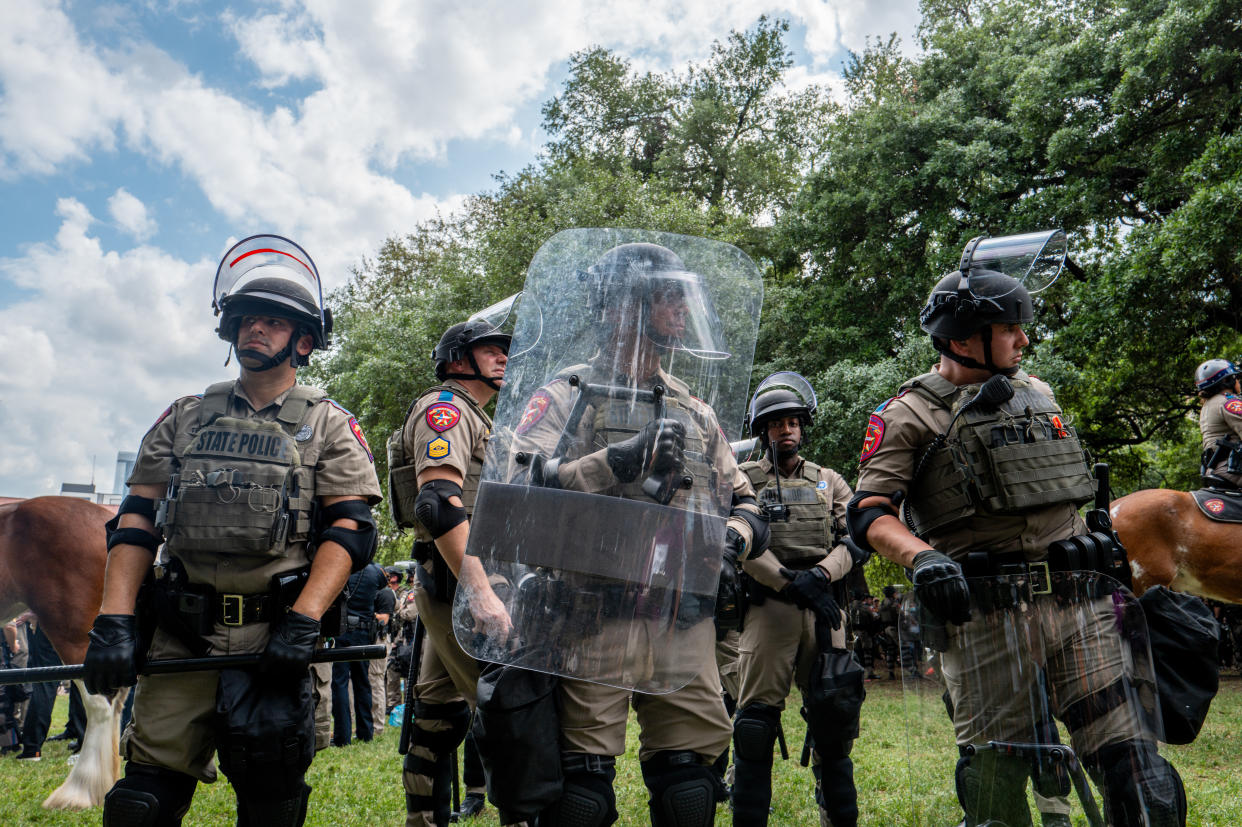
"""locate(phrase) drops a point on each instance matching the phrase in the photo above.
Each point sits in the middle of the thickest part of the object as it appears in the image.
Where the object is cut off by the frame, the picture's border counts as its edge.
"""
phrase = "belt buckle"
(232, 605)
(1037, 571)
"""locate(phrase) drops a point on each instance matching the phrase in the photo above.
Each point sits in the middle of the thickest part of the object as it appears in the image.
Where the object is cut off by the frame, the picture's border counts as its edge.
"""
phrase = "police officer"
(792, 592)
(998, 524)
(260, 490)
(640, 302)
(1220, 422)
(434, 485)
(360, 630)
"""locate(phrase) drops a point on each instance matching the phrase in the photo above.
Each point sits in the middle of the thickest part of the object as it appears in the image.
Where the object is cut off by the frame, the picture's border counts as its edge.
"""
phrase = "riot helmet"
(459, 342)
(1213, 374)
(269, 275)
(649, 287)
(782, 394)
(992, 285)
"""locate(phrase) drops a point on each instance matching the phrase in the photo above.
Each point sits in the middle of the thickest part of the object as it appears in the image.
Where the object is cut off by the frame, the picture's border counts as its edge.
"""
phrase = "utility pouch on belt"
(287, 587)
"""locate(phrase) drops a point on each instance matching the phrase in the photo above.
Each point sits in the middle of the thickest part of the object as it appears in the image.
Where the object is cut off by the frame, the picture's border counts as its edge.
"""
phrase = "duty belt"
(239, 609)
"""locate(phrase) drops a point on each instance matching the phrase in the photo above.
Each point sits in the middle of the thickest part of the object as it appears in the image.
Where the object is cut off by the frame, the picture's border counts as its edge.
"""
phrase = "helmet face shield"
(501, 318)
(644, 288)
(1034, 259)
(271, 269)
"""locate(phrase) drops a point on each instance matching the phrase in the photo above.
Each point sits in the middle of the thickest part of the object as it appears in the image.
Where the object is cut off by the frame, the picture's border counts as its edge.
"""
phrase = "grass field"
(361, 784)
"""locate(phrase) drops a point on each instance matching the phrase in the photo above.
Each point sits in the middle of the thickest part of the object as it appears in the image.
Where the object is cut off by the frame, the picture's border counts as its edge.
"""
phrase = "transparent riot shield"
(1007, 715)
(600, 518)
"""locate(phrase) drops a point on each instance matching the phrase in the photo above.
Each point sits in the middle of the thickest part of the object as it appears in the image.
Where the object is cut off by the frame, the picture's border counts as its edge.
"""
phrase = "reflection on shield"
(1051, 667)
(600, 519)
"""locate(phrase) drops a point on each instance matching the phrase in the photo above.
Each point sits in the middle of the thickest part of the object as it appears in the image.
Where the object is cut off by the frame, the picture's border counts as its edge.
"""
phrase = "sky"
(140, 140)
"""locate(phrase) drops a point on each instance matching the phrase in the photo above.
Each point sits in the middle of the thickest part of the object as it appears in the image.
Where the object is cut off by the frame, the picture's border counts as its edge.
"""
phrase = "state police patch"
(362, 440)
(442, 416)
(535, 409)
(873, 437)
(1234, 406)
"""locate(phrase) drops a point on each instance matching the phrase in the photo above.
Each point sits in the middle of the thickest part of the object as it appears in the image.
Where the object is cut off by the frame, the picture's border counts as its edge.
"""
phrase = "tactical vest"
(403, 470)
(802, 541)
(239, 485)
(617, 420)
(1020, 457)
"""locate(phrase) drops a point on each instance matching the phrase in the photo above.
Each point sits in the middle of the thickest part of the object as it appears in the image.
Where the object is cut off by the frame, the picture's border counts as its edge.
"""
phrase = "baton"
(44, 674)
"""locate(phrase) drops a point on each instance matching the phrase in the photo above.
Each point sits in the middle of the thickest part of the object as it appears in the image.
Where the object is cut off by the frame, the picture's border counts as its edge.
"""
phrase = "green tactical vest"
(1008, 461)
(803, 541)
(240, 486)
(618, 420)
(403, 471)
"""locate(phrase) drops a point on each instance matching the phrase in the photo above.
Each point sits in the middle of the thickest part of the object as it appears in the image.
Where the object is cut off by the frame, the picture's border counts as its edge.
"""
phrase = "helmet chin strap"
(971, 362)
(265, 362)
(477, 375)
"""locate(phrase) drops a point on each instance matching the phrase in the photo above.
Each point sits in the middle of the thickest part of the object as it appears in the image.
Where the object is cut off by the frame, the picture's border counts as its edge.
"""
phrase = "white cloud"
(104, 342)
(59, 98)
(131, 214)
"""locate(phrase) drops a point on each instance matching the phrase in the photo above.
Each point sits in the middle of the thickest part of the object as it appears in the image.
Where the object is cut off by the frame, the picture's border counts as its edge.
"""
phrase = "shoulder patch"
(362, 440)
(822, 484)
(438, 448)
(442, 415)
(873, 437)
(445, 396)
(535, 409)
(1234, 406)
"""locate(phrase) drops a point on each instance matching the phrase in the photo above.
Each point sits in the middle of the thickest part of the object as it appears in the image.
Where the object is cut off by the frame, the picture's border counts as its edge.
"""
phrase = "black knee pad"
(263, 811)
(1139, 786)
(588, 799)
(754, 733)
(456, 715)
(683, 789)
(148, 797)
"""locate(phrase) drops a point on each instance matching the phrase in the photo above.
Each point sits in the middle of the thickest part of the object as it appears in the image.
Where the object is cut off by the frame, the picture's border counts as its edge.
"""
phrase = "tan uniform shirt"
(335, 448)
(836, 494)
(897, 435)
(1221, 418)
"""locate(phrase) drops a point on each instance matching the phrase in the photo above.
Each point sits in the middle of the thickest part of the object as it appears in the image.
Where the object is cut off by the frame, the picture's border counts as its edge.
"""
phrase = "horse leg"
(99, 762)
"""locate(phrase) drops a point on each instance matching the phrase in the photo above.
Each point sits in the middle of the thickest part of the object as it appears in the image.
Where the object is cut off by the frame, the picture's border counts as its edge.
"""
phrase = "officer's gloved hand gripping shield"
(1017, 716)
(600, 518)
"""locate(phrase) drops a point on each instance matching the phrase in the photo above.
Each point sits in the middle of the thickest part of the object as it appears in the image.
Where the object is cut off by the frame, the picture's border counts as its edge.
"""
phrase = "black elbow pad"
(359, 542)
(434, 510)
(858, 520)
(760, 535)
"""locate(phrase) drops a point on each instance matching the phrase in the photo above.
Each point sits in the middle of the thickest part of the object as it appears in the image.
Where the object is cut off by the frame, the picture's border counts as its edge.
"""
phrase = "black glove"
(730, 605)
(111, 657)
(292, 644)
(940, 586)
(660, 443)
(810, 590)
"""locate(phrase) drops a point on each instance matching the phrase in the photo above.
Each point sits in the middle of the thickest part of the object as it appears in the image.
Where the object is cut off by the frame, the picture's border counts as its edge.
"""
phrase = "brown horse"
(52, 557)
(1171, 543)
